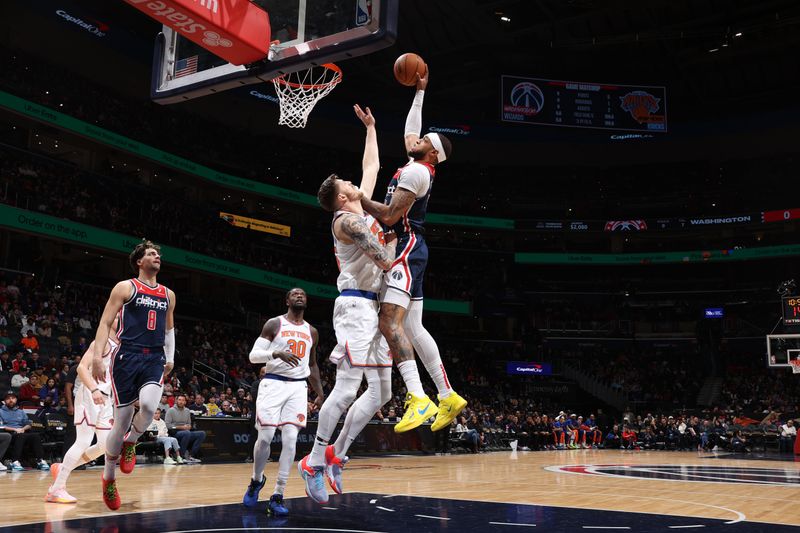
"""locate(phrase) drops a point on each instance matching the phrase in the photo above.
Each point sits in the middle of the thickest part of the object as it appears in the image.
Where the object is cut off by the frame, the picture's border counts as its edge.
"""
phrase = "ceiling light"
(505, 19)
(714, 50)
(738, 34)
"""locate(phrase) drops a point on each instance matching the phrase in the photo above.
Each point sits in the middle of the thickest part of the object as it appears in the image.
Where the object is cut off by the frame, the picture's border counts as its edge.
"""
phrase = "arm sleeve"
(414, 118)
(261, 352)
(414, 178)
(169, 345)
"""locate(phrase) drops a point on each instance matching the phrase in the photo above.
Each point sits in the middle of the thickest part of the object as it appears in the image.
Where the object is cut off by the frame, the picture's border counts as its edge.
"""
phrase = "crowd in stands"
(62, 319)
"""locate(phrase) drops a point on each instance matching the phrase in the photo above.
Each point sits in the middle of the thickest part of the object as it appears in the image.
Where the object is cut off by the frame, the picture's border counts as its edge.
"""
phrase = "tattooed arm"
(390, 214)
(351, 228)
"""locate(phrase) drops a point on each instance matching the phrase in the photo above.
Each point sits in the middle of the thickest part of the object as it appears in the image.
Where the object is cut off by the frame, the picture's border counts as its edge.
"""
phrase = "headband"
(437, 145)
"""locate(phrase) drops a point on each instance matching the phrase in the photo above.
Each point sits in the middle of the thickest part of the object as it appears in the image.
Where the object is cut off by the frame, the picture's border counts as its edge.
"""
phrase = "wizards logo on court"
(640, 104)
(789, 476)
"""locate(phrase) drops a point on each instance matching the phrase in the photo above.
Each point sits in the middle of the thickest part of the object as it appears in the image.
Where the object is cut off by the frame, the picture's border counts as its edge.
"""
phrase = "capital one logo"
(94, 27)
(241, 438)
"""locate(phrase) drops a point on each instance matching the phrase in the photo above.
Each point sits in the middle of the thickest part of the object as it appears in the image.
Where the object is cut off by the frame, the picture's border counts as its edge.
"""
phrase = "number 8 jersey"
(296, 339)
(143, 318)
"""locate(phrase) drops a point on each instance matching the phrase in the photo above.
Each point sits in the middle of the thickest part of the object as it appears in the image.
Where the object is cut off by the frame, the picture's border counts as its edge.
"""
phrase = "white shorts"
(281, 402)
(358, 338)
(91, 414)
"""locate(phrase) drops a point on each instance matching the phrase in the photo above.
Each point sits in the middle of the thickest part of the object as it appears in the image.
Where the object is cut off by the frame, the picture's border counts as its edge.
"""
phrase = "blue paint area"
(357, 512)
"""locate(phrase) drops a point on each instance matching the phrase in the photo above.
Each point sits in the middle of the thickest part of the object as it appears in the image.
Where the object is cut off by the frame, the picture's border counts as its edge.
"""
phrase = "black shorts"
(130, 371)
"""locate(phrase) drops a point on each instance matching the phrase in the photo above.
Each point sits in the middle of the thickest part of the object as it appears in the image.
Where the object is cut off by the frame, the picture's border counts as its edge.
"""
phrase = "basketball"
(406, 68)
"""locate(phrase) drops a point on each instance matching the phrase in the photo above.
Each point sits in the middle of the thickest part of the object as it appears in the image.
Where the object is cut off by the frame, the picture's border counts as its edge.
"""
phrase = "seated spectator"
(28, 326)
(80, 347)
(198, 408)
(612, 438)
(5, 340)
(18, 380)
(85, 325)
(163, 438)
(628, 437)
(163, 405)
(30, 342)
(179, 418)
(739, 442)
(5, 363)
(49, 390)
(19, 362)
(29, 392)
(392, 416)
(212, 409)
(44, 330)
(788, 435)
(34, 362)
(13, 420)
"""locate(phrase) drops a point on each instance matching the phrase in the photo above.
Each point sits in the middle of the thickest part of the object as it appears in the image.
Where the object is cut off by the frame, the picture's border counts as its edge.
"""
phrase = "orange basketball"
(407, 67)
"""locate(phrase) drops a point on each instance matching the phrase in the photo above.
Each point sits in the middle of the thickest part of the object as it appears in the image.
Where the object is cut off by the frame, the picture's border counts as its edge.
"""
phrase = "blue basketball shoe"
(251, 496)
(275, 506)
(314, 477)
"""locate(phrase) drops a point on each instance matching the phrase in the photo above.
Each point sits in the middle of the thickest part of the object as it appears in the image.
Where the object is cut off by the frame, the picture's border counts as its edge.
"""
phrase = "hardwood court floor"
(681, 484)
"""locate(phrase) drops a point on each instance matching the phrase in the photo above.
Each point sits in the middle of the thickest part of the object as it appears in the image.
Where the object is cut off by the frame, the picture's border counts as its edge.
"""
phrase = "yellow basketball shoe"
(449, 409)
(417, 410)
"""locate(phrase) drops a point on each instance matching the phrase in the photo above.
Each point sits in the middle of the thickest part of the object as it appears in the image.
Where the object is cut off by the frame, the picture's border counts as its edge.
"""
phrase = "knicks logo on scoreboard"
(640, 104)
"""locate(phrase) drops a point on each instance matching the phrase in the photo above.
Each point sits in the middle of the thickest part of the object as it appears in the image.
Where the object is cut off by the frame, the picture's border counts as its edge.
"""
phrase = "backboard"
(781, 349)
(311, 32)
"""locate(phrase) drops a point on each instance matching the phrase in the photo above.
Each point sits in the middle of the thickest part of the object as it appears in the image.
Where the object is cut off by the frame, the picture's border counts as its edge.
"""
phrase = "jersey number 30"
(297, 347)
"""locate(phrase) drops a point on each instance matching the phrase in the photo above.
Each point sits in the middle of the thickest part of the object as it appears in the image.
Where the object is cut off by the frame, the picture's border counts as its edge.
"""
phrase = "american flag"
(184, 67)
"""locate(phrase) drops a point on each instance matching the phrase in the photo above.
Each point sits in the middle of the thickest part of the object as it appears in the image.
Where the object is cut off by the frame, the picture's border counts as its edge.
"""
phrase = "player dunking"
(360, 252)
(93, 417)
(145, 357)
(288, 346)
(401, 302)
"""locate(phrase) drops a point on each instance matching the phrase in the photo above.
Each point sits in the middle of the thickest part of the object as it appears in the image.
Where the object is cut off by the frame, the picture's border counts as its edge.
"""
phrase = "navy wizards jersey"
(143, 318)
(413, 220)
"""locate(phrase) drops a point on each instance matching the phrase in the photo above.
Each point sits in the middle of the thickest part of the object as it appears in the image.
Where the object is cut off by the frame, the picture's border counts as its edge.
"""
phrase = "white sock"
(426, 348)
(261, 451)
(408, 369)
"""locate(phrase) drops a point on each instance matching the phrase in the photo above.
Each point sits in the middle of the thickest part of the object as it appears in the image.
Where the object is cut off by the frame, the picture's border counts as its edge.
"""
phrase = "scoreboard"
(791, 310)
(583, 105)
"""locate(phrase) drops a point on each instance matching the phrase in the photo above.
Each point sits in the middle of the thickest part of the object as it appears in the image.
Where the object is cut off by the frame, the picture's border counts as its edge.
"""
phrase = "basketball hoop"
(300, 91)
(795, 364)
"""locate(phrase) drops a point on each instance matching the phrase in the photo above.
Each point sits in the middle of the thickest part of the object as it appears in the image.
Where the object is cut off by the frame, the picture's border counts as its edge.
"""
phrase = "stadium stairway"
(709, 391)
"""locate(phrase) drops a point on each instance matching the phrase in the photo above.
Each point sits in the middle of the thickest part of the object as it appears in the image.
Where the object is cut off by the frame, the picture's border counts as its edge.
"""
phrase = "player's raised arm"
(119, 295)
(313, 378)
(371, 162)
(353, 228)
(414, 118)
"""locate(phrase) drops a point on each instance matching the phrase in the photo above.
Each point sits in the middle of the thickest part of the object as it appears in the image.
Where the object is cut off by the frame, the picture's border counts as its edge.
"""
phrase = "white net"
(300, 91)
(795, 366)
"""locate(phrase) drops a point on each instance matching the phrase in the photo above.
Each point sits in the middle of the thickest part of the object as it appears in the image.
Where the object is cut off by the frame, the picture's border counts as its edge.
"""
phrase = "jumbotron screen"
(583, 105)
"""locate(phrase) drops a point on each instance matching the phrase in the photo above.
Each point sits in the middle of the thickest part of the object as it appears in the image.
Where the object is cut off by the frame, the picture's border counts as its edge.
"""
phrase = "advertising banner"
(256, 224)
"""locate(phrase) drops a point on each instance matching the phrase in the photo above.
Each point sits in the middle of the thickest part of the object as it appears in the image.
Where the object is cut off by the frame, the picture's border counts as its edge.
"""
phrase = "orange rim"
(330, 66)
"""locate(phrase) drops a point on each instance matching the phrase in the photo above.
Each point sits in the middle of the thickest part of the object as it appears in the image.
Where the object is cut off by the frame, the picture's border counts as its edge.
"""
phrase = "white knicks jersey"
(356, 270)
(111, 350)
(296, 339)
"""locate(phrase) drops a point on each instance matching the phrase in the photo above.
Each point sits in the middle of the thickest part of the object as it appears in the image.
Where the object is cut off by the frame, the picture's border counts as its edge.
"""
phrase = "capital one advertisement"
(523, 368)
